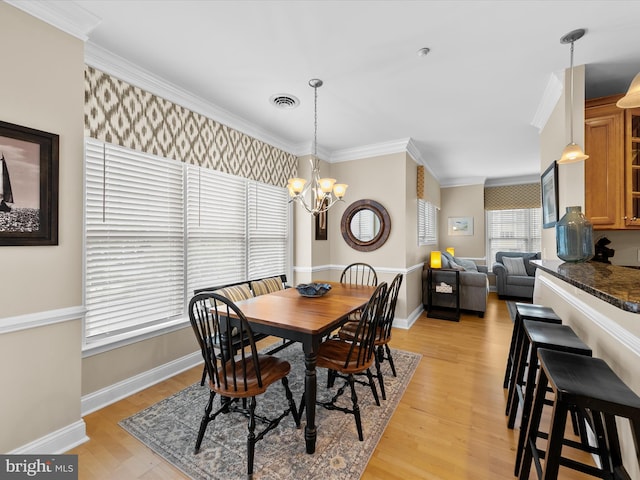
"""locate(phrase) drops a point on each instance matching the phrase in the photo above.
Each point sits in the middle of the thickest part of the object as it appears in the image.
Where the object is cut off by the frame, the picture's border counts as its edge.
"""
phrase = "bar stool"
(525, 311)
(539, 335)
(588, 384)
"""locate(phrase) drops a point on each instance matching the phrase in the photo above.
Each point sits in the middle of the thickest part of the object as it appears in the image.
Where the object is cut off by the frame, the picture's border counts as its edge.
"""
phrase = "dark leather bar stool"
(538, 335)
(588, 384)
(525, 311)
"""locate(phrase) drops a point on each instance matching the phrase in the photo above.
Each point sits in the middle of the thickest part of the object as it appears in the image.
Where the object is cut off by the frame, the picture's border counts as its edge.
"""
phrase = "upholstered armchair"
(515, 275)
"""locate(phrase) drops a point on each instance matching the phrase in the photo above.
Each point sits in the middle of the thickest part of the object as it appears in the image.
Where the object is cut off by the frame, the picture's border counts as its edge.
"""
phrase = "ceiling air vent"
(284, 100)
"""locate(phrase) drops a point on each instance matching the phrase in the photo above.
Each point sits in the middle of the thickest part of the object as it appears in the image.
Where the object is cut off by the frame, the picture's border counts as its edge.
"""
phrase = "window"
(516, 230)
(157, 229)
(427, 223)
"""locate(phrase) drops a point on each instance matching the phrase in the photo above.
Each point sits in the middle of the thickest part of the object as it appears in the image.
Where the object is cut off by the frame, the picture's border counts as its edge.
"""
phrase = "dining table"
(289, 315)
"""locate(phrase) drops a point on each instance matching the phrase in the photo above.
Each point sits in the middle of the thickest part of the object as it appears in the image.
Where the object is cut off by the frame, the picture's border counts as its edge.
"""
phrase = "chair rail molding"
(41, 319)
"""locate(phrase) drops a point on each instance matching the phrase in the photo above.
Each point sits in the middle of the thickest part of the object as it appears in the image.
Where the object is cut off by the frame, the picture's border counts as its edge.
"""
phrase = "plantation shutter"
(216, 228)
(427, 223)
(134, 273)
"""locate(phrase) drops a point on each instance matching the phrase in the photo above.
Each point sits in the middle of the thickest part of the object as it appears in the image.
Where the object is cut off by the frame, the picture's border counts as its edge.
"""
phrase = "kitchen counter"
(619, 286)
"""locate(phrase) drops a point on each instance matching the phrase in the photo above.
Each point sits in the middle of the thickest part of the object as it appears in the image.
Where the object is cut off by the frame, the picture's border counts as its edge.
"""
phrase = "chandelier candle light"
(325, 192)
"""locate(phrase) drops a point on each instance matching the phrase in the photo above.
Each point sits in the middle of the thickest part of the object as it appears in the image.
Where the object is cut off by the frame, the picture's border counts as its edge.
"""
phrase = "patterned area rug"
(170, 428)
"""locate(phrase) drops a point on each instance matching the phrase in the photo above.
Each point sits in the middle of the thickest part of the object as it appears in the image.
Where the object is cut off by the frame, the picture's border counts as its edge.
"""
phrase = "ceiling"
(467, 106)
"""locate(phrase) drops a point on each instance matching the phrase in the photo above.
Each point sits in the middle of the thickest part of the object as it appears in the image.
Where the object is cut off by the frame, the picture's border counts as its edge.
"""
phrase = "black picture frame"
(549, 191)
(28, 186)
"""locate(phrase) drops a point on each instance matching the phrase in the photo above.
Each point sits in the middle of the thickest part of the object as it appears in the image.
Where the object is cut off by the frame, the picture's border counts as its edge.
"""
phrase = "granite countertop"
(619, 286)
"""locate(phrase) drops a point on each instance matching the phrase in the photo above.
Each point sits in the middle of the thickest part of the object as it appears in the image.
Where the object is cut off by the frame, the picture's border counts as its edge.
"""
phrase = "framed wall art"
(549, 189)
(460, 226)
(28, 186)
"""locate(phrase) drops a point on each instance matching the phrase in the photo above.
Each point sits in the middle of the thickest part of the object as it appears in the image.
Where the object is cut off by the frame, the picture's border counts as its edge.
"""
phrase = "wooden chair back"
(389, 310)
(359, 274)
(212, 316)
(363, 344)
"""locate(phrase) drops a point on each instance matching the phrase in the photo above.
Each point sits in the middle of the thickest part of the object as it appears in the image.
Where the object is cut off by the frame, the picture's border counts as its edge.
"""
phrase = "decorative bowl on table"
(313, 289)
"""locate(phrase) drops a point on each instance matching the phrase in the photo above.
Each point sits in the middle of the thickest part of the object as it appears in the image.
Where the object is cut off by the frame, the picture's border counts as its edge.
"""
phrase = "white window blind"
(427, 223)
(216, 228)
(134, 274)
(268, 229)
(157, 229)
(517, 230)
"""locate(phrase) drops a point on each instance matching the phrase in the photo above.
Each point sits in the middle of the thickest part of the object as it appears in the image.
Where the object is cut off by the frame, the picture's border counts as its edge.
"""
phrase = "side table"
(443, 294)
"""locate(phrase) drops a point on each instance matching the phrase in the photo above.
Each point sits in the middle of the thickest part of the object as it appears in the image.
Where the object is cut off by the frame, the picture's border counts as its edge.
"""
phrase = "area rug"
(170, 428)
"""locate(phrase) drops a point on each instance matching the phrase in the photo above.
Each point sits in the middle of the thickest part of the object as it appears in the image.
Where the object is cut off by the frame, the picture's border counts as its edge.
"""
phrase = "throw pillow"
(514, 266)
(468, 265)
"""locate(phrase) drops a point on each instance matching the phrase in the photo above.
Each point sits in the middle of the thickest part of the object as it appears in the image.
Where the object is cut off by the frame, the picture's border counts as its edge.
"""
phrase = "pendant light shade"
(632, 98)
(572, 152)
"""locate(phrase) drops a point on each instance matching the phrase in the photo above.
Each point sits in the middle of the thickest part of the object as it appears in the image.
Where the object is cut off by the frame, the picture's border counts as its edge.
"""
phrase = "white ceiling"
(468, 106)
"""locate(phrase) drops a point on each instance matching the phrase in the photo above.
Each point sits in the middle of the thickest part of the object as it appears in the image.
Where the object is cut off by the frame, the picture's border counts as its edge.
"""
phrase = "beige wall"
(386, 178)
(41, 87)
(463, 201)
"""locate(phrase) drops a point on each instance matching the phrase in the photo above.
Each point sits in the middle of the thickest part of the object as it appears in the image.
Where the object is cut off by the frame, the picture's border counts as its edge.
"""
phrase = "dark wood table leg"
(310, 389)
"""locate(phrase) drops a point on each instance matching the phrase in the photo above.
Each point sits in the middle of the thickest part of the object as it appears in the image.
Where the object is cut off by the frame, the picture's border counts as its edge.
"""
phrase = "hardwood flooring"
(449, 425)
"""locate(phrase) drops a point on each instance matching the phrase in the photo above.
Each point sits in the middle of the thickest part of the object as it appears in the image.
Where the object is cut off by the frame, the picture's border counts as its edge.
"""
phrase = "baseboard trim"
(407, 323)
(56, 443)
(108, 395)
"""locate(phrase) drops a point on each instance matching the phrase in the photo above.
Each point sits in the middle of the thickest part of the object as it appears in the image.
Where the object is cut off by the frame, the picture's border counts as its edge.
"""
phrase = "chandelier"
(323, 192)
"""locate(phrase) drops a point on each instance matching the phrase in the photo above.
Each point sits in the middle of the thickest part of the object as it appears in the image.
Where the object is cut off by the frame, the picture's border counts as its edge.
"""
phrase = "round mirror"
(365, 225)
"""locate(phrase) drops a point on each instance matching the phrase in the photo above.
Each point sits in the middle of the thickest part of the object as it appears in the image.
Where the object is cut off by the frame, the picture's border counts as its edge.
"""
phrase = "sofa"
(474, 283)
(514, 277)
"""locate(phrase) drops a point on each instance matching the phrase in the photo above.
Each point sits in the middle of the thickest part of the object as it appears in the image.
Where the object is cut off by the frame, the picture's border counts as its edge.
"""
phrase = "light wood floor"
(449, 425)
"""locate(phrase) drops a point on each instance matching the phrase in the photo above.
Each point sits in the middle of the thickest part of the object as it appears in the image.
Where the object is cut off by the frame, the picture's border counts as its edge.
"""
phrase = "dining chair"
(359, 274)
(347, 358)
(241, 377)
(383, 332)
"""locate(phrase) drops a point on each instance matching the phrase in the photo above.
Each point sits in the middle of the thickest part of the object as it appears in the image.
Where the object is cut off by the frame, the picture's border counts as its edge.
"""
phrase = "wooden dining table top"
(308, 315)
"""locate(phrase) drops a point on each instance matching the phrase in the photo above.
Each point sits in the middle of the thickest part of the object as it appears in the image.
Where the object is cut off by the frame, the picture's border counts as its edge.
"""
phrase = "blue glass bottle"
(574, 236)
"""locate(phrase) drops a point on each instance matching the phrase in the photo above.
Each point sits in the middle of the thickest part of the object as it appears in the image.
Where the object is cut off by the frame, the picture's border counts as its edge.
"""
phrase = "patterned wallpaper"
(512, 197)
(120, 113)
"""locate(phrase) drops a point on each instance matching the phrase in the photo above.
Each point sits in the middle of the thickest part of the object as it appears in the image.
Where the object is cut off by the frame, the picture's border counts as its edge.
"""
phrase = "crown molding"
(69, 17)
(550, 97)
(117, 66)
(506, 181)
(462, 182)
(366, 151)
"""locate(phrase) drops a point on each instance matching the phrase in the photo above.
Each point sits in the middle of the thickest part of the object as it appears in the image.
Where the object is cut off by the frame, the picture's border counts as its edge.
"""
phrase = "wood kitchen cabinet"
(612, 171)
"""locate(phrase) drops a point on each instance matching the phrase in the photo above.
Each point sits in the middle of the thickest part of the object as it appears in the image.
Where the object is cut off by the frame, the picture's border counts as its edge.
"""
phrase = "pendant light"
(632, 98)
(572, 152)
(324, 192)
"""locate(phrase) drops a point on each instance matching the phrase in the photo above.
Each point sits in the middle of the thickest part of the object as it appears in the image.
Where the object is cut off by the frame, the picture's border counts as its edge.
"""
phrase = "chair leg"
(380, 379)
(390, 358)
(204, 422)
(204, 376)
(372, 384)
(251, 438)
(292, 404)
(356, 407)
(331, 378)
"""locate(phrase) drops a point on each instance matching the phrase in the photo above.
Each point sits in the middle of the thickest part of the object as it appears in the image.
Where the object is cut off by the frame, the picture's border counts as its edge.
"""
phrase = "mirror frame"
(378, 240)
